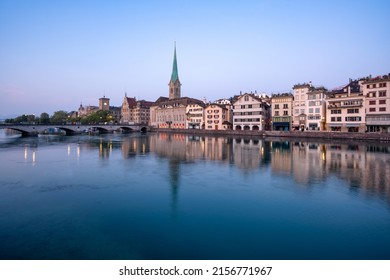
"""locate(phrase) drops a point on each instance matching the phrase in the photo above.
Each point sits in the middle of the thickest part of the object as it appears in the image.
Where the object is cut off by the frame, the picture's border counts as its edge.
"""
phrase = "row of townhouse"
(247, 112)
(363, 105)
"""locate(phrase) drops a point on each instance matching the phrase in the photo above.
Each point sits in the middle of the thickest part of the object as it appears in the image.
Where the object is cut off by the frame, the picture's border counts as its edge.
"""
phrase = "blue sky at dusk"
(56, 54)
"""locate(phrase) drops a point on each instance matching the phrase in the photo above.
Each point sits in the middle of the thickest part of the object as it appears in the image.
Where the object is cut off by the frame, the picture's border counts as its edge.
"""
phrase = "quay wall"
(326, 135)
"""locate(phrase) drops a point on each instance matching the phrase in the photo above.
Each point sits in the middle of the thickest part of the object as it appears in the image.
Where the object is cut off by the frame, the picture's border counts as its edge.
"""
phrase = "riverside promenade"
(326, 135)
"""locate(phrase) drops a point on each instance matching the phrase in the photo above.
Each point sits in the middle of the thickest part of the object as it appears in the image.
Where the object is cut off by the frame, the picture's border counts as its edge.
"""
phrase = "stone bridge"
(72, 129)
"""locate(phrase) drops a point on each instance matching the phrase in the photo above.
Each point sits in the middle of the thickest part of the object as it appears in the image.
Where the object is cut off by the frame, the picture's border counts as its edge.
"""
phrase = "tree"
(97, 117)
(59, 117)
(44, 118)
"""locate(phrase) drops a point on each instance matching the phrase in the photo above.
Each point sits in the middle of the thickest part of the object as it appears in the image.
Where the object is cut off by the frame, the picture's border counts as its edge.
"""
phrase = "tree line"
(63, 117)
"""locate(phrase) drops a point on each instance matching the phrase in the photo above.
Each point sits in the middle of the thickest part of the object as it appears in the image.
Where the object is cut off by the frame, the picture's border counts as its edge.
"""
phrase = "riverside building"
(377, 102)
(135, 111)
(346, 108)
(171, 112)
(282, 111)
(250, 112)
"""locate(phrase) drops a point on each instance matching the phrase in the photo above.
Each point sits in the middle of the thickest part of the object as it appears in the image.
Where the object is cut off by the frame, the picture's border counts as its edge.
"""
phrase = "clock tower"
(104, 103)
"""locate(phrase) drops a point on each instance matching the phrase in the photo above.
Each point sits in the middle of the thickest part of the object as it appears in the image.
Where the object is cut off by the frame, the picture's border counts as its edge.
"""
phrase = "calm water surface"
(161, 196)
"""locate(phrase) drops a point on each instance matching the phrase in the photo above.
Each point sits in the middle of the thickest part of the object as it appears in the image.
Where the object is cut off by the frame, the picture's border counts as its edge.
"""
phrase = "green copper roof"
(175, 73)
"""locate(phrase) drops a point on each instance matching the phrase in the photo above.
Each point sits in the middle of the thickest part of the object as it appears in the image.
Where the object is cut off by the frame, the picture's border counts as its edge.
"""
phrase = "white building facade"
(250, 112)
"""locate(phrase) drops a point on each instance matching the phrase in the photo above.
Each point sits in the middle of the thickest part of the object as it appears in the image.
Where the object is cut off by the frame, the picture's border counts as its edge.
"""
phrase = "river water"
(172, 196)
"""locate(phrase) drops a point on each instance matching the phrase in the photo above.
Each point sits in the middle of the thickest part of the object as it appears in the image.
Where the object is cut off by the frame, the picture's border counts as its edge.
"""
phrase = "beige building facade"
(218, 117)
(346, 108)
(135, 111)
(377, 102)
(195, 116)
(300, 112)
(282, 111)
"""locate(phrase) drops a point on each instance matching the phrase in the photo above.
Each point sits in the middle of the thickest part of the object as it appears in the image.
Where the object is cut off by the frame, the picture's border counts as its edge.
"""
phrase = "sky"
(55, 55)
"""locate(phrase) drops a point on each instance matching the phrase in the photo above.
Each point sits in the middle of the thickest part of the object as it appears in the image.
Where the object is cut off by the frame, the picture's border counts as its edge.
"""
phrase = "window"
(276, 113)
(317, 110)
(382, 84)
(310, 110)
(285, 113)
(368, 86)
(353, 119)
(382, 93)
(382, 109)
(372, 102)
(372, 94)
(285, 106)
(353, 111)
(372, 109)
(246, 98)
(242, 106)
(382, 101)
(335, 111)
(276, 106)
(335, 119)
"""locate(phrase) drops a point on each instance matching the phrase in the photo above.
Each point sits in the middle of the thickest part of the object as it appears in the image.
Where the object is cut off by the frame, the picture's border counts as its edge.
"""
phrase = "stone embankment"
(281, 134)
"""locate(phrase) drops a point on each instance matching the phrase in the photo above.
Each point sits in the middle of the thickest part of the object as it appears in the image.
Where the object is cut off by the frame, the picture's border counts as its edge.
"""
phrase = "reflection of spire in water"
(174, 176)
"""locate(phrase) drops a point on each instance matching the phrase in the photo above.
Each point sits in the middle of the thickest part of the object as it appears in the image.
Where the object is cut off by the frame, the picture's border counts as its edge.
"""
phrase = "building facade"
(300, 112)
(218, 117)
(135, 111)
(316, 108)
(195, 116)
(250, 112)
(377, 102)
(282, 111)
(346, 108)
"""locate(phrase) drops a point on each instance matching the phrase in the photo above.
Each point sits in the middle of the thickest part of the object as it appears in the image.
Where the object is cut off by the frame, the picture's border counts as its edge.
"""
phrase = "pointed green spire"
(175, 73)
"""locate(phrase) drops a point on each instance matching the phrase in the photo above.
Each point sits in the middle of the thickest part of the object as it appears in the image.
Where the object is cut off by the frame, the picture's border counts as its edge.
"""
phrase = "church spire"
(175, 73)
(174, 83)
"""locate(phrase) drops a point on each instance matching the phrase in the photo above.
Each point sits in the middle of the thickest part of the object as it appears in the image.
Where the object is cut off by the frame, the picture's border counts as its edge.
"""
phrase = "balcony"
(337, 106)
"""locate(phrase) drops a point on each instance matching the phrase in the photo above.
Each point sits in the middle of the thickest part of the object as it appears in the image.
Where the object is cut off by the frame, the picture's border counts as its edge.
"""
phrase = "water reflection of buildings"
(191, 148)
(250, 154)
(365, 167)
(135, 146)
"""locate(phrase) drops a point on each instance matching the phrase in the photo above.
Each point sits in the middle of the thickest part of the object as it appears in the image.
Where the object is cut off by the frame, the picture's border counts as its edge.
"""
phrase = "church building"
(171, 112)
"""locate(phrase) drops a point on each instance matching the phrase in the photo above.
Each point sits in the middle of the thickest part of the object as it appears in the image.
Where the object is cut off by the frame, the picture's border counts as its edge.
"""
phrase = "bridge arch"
(67, 130)
(24, 132)
(144, 129)
(126, 129)
(101, 130)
